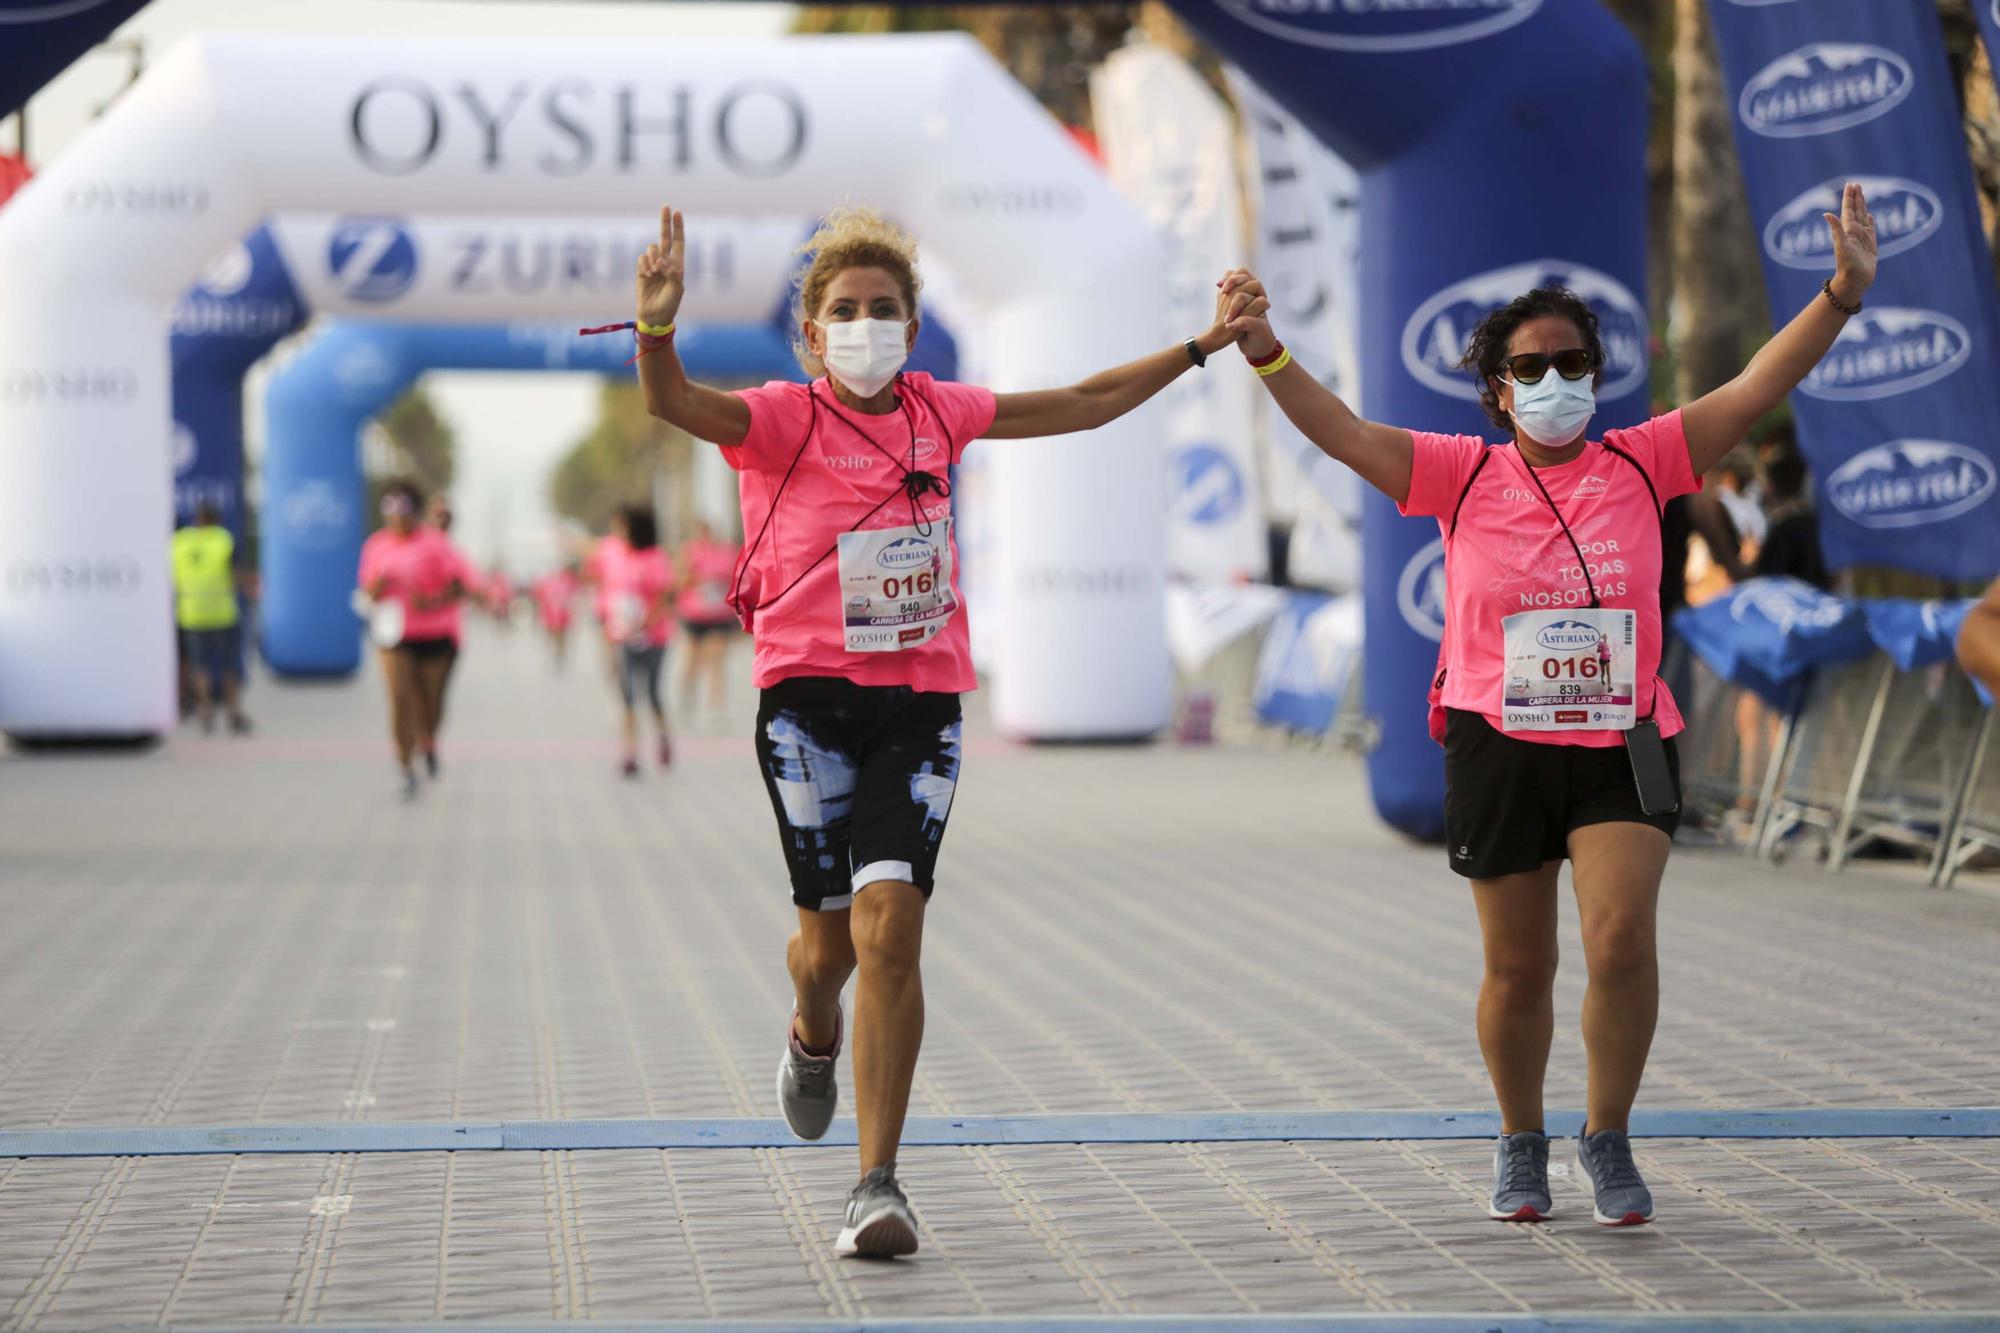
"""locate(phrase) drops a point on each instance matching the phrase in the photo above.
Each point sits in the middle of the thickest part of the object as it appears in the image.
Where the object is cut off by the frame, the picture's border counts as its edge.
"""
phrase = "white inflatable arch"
(226, 130)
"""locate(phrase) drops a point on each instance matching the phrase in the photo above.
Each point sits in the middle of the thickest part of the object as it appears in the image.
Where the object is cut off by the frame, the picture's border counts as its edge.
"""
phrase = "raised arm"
(1110, 394)
(1380, 455)
(705, 413)
(1718, 420)
(1979, 639)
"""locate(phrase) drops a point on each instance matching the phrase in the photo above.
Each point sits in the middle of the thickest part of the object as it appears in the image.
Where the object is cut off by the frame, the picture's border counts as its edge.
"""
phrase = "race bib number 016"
(1570, 671)
(895, 587)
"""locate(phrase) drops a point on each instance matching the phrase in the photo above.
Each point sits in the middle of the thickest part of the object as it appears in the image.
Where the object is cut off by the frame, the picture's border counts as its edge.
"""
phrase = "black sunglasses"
(1572, 363)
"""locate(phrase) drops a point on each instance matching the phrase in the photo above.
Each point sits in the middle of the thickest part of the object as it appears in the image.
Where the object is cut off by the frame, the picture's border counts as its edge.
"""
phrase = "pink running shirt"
(636, 581)
(1508, 553)
(851, 464)
(418, 568)
(709, 567)
(607, 551)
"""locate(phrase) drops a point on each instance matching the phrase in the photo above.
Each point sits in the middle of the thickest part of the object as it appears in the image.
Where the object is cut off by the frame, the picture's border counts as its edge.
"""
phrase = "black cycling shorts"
(1509, 804)
(861, 778)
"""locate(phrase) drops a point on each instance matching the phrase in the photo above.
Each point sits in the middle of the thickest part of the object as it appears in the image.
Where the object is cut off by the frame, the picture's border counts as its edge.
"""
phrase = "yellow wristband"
(1275, 366)
(653, 330)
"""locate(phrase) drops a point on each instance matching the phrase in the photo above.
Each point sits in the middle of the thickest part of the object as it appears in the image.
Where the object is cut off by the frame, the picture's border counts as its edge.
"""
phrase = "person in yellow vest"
(205, 609)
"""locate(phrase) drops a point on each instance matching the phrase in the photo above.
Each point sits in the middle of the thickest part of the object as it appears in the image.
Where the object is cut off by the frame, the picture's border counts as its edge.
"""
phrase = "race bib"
(385, 623)
(895, 587)
(628, 619)
(1570, 671)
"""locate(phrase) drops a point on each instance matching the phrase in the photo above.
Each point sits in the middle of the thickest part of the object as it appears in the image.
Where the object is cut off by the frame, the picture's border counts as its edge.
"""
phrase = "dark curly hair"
(1487, 351)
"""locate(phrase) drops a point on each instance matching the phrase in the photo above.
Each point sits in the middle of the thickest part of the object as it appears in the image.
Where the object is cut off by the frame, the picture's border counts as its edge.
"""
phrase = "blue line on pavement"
(1962, 1322)
(933, 1131)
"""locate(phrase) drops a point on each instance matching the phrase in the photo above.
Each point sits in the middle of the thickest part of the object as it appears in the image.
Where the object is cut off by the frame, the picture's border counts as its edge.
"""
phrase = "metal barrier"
(1973, 824)
(1728, 751)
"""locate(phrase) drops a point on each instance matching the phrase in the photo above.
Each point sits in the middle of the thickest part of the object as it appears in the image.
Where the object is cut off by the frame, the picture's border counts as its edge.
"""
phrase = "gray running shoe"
(880, 1224)
(807, 1089)
(1622, 1197)
(1521, 1178)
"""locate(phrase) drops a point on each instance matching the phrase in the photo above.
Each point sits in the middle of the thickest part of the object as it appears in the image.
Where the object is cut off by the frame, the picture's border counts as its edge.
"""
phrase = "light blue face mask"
(1553, 411)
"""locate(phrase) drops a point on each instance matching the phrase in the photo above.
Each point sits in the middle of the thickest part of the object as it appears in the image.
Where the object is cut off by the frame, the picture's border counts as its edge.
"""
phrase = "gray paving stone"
(232, 932)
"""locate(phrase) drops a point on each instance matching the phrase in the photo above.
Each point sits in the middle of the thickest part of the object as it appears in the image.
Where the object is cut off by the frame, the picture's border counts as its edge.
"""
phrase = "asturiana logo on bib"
(1906, 212)
(1908, 483)
(904, 553)
(1434, 338)
(1887, 351)
(1420, 592)
(1823, 87)
(1567, 636)
(1381, 25)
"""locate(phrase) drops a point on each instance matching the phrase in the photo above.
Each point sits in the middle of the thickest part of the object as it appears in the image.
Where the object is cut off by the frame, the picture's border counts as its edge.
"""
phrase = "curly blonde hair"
(850, 237)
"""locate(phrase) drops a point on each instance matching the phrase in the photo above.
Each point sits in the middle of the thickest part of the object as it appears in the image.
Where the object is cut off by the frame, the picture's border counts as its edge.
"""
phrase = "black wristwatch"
(1194, 353)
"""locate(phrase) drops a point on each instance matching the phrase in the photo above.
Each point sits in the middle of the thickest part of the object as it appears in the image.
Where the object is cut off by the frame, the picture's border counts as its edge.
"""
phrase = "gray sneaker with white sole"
(1622, 1199)
(879, 1223)
(808, 1092)
(1521, 1178)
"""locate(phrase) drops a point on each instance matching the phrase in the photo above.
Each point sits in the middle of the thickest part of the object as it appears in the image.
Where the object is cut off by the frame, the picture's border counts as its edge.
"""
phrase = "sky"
(511, 427)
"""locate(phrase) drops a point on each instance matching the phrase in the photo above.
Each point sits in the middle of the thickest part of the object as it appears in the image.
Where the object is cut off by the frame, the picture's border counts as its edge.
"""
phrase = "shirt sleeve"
(1660, 446)
(371, 553)
(1440, 465)
(778, 414)
(967, 412)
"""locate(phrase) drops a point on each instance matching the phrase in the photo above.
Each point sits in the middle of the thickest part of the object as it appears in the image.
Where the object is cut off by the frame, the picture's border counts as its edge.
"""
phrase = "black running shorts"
(1509, 804)
(861, 778)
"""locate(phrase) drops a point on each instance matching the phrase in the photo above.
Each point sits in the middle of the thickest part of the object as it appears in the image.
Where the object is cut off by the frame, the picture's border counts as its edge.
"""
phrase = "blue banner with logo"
(225, 324)
(1767, 634)
(1901, 421)
(1463, 208)
(1916, 634)
(1307, 663)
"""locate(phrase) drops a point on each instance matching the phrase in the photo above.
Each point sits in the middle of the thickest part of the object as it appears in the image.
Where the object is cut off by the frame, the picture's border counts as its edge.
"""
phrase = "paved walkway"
(233, 933)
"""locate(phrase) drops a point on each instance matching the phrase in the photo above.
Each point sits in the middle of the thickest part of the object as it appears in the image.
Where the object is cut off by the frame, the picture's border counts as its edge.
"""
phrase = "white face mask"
(865, 354)
(1552, 411)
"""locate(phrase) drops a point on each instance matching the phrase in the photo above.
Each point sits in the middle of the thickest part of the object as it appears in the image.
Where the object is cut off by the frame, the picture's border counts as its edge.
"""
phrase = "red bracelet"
(1258, 362)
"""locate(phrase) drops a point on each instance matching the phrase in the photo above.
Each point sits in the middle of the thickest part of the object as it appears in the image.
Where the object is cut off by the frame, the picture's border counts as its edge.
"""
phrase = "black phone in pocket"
(1658, 793)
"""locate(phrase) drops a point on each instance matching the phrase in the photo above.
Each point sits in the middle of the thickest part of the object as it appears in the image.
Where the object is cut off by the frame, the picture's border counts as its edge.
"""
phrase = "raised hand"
(1853, 244)
(663, 271)
(1242, 311)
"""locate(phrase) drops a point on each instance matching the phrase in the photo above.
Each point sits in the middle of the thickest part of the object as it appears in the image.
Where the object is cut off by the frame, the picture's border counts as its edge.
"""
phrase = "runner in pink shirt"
(414, 578)
(850, 587)
(1556, 726)
(638, 586)
(708, 567)
(438, 515)
(554, 593)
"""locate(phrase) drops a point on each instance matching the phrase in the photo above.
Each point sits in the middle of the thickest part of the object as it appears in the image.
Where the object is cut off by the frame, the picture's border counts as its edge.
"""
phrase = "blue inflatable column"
(314, 494)
(1500, 147)
(244, 304)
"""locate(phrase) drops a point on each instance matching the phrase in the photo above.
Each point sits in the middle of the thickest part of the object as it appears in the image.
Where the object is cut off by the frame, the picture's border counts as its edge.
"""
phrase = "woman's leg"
(433, 674)
(656, 663)
(1617, 869)
(628, 670)
(888, 930)
(715, 654)
(820, 957)
(1517, 923)
(405, 704)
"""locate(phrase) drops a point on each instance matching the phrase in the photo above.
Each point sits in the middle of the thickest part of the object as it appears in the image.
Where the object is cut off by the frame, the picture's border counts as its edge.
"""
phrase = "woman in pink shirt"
(707, 567)
(1556, 726)
(850, 588)
(553, 594)
(638, 588)
(414, 577)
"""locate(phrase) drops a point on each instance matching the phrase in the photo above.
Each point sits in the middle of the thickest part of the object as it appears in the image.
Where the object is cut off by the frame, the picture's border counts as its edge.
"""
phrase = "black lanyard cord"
(913, 483)
(1563, 523)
